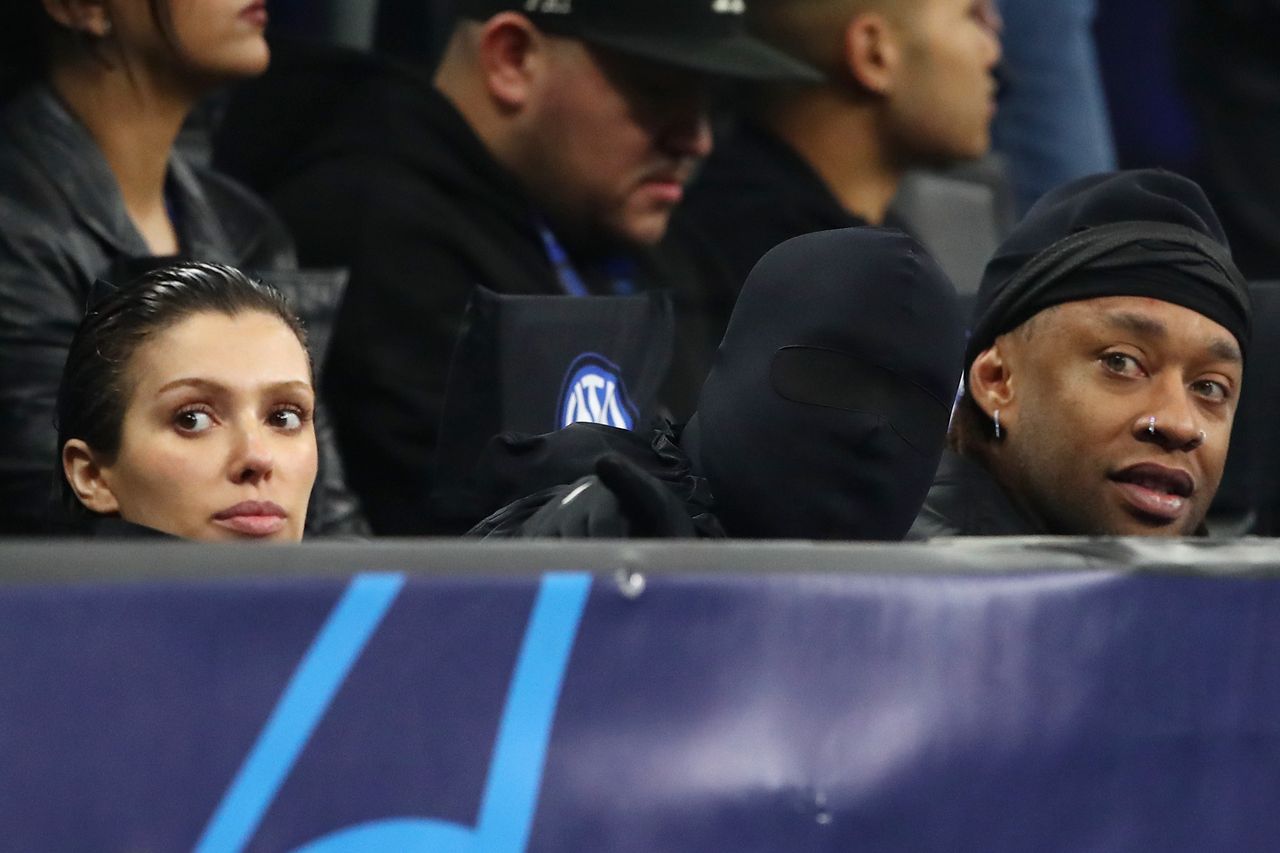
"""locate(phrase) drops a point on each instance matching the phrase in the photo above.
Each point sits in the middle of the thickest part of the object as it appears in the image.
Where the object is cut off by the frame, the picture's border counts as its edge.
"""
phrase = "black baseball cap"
(700, 35)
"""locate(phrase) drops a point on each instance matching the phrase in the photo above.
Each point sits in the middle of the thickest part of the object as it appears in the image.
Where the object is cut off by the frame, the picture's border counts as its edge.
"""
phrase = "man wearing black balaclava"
(1103, 368)
(823, 417)
(826, 407)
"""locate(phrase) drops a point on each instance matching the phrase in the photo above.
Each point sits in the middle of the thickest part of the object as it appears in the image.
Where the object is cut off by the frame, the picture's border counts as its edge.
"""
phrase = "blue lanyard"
(620, 270)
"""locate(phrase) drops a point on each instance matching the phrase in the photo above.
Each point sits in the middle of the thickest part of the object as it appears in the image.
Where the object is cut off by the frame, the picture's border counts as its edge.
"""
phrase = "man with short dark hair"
(543, 159)
(1103, 369)
(906, 84)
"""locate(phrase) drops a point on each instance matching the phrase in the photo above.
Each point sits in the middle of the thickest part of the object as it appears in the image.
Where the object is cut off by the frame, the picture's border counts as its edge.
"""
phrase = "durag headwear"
(1140, 233)
(825, 412)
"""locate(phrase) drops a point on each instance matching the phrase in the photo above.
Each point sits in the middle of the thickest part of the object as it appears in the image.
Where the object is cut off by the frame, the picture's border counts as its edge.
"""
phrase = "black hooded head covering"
(826, 410)
(1138, 233)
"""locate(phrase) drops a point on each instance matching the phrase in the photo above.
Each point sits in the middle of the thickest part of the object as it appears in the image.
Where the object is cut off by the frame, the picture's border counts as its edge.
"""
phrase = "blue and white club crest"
(595, 394)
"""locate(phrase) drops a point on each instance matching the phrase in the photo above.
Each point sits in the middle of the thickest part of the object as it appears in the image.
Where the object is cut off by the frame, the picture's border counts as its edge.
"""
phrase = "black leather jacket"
(63, 224)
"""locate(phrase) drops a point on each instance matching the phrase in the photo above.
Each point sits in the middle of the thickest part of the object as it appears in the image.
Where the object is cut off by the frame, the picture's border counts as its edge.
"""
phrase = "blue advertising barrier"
(985, 695)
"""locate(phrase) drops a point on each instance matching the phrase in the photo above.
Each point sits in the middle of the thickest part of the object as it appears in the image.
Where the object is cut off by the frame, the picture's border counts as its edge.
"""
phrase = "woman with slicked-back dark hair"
(93, 94)
(187, 408)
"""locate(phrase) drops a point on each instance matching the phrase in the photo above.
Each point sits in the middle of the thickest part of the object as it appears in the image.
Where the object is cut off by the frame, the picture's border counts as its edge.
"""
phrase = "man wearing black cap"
(598, 107)
(1103, 368)
(543, 159)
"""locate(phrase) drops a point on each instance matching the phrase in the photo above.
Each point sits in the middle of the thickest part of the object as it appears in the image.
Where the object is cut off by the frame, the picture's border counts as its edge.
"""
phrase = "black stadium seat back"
(961, 215)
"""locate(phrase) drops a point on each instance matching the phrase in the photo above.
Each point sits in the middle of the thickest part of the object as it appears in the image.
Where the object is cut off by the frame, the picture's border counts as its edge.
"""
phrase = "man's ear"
(83, 471)
(511, 53)
(85, 16)
(871, 52)
(991, 382)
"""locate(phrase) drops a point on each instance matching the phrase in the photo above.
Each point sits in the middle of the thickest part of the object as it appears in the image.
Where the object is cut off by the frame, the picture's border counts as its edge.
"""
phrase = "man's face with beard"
(614, 140)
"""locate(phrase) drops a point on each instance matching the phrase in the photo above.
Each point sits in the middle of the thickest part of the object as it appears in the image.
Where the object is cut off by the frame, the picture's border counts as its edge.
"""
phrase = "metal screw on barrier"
(630, 584)
(823, 817)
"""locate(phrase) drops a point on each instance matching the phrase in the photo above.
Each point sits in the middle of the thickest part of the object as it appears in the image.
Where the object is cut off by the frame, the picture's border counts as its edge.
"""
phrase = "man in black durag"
(1103, 369)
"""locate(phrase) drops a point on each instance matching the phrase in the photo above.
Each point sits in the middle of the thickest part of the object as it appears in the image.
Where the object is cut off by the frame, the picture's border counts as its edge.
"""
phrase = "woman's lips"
(252, 518)
(255, 13)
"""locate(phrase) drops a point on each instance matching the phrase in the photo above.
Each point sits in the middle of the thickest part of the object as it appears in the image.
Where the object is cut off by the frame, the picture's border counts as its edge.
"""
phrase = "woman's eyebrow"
(289, 385)
(191, 382)
(211, 386)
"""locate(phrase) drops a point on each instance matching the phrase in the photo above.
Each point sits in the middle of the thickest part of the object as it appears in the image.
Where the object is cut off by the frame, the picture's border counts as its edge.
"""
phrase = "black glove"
(651, 510)
(619, 501)
(585, 509)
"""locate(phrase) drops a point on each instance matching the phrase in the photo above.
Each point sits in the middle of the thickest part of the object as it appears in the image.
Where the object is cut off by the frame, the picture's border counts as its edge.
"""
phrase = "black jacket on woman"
(63, 224)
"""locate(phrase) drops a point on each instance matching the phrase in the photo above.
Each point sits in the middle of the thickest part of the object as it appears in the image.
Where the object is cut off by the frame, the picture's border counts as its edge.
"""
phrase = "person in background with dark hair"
(1103, 369)
(186, 408)
(96, 92)
(906, 84)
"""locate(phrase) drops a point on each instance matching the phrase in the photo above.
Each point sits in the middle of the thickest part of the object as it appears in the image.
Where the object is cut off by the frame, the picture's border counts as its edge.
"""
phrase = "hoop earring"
(996, 417)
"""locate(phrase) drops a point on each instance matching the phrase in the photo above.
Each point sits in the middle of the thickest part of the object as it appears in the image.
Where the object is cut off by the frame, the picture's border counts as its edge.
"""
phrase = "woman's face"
(212, 41)
(217, 440)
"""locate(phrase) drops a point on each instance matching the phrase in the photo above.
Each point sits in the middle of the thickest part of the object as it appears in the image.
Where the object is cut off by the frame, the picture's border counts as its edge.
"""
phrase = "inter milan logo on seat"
(594, 393)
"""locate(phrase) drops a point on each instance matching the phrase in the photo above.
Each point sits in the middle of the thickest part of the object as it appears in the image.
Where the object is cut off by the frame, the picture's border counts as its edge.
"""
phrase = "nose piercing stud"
(1151, 425)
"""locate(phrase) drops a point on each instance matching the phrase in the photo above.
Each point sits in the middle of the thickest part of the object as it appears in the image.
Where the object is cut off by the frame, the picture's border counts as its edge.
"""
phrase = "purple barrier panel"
(1097, 710)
